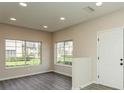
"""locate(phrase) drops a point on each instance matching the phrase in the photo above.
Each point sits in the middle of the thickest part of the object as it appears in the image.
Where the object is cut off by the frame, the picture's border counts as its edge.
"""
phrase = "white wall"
(85, 37)
(81, 72)
(65, 70)
(13, 32)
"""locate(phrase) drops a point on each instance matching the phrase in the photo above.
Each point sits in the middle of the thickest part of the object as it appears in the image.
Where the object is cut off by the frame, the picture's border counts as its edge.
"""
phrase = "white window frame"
(25, 48)
(55, 53)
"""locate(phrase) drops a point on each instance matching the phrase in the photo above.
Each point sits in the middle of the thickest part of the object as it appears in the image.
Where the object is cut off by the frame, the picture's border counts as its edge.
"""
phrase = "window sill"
(63, 65)
(19, 67)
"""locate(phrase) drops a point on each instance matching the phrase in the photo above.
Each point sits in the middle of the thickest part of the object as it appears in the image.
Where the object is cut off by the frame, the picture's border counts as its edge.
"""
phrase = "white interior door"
(110, 58)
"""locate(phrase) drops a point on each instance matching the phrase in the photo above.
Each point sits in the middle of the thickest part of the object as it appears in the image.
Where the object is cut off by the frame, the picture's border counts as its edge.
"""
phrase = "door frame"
(97, 79)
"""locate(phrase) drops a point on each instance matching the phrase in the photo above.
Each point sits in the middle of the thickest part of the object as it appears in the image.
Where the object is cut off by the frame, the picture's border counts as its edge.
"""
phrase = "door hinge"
(98, 76)
(98, 39)
(98, 58)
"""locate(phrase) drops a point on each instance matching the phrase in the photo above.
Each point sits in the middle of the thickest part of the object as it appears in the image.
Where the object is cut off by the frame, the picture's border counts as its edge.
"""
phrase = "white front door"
(110, 58)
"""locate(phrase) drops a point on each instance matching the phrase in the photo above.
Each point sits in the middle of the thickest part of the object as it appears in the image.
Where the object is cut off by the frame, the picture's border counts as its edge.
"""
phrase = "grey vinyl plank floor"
(97, 87)
(46, 81)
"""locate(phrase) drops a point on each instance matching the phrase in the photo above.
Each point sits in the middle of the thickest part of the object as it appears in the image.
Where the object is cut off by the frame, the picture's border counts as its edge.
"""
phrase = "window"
(64, 52)
(21, 53)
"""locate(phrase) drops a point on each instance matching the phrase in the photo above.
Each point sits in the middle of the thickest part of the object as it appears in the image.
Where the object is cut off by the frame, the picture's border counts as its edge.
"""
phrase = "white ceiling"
(37, 14)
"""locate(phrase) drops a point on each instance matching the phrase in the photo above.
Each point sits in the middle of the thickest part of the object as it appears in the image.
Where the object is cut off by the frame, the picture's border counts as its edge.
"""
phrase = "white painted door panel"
(110, 51)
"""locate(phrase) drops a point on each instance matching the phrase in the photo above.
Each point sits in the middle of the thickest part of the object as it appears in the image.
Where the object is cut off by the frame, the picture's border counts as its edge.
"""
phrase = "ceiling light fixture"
(23, 4)
(99, 4)
(62, 18)
(13, 19)
(45, 26)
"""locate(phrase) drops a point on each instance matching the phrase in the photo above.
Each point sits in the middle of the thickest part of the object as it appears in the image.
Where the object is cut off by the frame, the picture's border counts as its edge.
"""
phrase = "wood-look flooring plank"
(46, 81)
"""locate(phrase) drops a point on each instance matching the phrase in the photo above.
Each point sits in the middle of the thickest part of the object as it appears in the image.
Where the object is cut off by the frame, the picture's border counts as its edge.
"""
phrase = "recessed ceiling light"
(45, 26)
(99, 4)
(62, 18)
(13, 19)
(23, 4)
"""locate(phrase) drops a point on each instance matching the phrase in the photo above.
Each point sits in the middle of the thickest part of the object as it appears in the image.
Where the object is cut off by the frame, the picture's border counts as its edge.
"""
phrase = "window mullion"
(64, 52)
(16, 52)
(40, 53)
(25, 51)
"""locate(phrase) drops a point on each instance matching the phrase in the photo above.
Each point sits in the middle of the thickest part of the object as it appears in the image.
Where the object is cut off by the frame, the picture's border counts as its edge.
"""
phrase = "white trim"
(87, 84)
(1, 79)
(62, 73)
(96, 82)
(12, 77)
(82, 86)
(24, 66)
(58, 64)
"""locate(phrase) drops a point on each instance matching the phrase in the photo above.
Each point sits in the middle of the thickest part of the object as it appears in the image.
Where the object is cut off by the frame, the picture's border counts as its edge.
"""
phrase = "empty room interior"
(61, 45)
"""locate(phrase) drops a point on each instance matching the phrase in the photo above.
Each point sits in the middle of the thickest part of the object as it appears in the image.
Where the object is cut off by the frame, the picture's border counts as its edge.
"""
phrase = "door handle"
(121, 59)
(121, 64)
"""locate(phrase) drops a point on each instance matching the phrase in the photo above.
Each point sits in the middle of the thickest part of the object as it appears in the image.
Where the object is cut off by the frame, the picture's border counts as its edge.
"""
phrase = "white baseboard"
(87, 84)
(12, 77)
(62, 73)
(82, 86)
(96, 82)
(1, 79)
